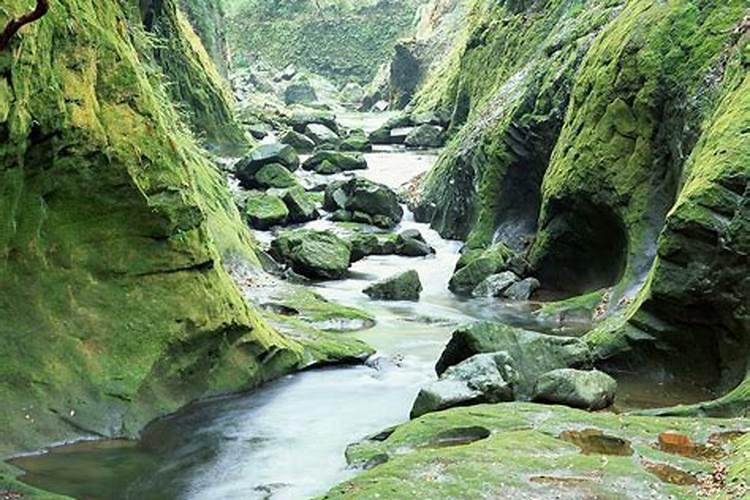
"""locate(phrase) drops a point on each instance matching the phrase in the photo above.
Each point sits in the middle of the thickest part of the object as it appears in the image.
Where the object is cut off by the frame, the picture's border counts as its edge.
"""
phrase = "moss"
(443, 455)
(114, 228)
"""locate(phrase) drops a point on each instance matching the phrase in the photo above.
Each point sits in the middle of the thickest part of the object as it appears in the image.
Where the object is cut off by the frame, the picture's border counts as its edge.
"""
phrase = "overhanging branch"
(42, 6)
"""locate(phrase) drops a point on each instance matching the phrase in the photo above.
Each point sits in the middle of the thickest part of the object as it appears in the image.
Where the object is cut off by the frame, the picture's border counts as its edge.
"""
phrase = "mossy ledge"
(113, 229)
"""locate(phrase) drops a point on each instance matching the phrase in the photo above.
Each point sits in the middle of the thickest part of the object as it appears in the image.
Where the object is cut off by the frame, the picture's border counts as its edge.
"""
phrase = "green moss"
(113, 231)
(464, 452)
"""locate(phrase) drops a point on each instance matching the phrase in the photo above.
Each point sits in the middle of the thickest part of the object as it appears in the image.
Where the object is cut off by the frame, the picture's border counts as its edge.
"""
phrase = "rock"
(363, 245)
(263, 155)
(314, 254)
(352, 93)
(301, 206)
(403, 286)
(483, 378)
(288, 73)
(376, 201)
(300, 91)
(337, 162)
(320, 134)
(431, 118)
(426, 136)
(522, 290)
(358, 143)
(298, 141)
(381, 106)
(411, 243)
(258, 130)
(263, 211)
(495, 284)
(534, 354)
(399, 135)
(476, 265)
(585, 389)
(301, 118)
(275, 175)
(402, 123)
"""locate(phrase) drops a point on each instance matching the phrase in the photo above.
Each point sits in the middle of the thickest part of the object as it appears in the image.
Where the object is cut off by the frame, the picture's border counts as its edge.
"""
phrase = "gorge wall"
(606, 141)
(114, 227)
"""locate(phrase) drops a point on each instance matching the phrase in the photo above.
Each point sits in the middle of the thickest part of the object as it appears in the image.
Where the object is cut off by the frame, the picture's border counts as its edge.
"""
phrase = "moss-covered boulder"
(315, 254)
(477, 265)
(338, 161)
(426, 136)
(301, 205)
(533, 354)
(483, 378)
(298, 141)
(377, 202)
(300, 91)
(495, 285)
(114, 232)
(302, 117)
(321, 135)
(585, 389)
(523, 450)
(356, 142)
(265, 154)
(402, 286)
(275, 175)
(263, 210)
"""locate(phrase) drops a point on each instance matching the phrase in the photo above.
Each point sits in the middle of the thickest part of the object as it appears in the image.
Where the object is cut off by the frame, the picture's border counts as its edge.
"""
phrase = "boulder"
(534, 354)
(367, 201)
(411, 243)
(403, 286)
(483, 378)
(320, 134)
(264, 211)
(585, 389)
(301, 206)
(301, 118)
(402, 124)
(425, 136)
(476, 265)
(363, 245)
(300, 91)
(298, 141)
(337, 161)
(275, 175)
(495, 284)
(359, 143)
(258, 130)
(263, 155)
(522, 290)
(314, 254)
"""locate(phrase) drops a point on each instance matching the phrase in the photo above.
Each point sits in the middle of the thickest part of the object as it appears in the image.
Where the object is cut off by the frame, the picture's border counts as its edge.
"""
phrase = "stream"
(287, 440)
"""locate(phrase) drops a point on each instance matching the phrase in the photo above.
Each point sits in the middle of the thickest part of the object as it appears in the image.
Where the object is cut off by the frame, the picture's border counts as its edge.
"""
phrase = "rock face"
(534, 354)
(331, 162)
(403, 286)
(483, 378)
(377, 203)
(264, 211)
(315, 254)
(564, 154)
(103, 193)
(265, 154)
(588, 390)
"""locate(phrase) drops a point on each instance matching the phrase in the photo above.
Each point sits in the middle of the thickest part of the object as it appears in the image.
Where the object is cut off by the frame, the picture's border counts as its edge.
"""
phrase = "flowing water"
(287, 440)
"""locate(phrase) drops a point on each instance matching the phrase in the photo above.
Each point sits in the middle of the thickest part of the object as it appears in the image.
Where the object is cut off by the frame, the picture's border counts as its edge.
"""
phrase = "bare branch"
(42, 6)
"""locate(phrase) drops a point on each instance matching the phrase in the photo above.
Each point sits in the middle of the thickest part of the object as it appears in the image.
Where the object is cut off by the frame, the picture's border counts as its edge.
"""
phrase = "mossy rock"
(299, 142)
(315, 254)
(301, 205)
(275, 175)
(463, 452)
(477, 265)
(264, 211)
(336, 160)
(402, 286)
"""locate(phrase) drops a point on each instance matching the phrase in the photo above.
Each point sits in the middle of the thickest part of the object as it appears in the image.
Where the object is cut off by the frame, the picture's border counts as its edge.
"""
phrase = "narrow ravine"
(288, 439)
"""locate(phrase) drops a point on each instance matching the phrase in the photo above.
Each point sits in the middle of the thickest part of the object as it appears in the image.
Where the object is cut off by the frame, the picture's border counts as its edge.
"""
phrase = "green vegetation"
(345, 41)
